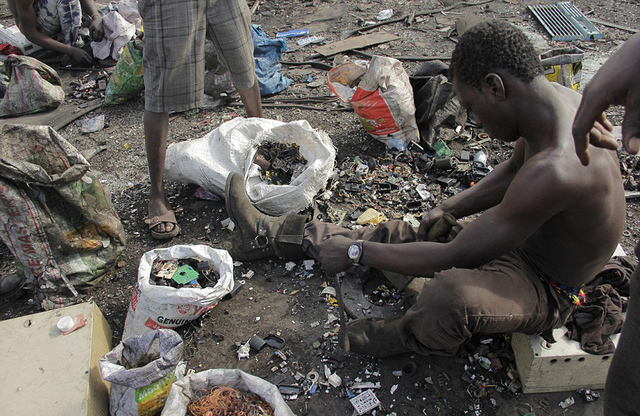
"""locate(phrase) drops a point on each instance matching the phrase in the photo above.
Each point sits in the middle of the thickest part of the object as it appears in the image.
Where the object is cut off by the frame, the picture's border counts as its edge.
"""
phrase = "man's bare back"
(572, 247)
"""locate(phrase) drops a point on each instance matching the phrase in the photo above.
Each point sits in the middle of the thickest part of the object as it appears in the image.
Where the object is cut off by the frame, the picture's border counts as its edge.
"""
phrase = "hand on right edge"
(615, 83)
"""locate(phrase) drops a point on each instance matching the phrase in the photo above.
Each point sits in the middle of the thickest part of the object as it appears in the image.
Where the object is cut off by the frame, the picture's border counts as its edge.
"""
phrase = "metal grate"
(565, 22)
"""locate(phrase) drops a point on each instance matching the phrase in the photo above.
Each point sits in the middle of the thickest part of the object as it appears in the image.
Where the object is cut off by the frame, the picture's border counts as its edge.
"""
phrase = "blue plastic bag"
(267, 53)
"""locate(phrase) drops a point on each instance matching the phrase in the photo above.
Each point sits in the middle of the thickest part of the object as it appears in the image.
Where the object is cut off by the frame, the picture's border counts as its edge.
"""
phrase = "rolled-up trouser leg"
(623, 379)
(390, 232)
(498, 298)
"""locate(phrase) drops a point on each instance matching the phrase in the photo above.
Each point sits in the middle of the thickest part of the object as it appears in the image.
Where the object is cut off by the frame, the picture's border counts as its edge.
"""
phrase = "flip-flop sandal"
(167, 217)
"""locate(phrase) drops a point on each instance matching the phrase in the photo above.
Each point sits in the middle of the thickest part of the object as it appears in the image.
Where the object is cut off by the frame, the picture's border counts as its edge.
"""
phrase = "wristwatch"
(355, 252)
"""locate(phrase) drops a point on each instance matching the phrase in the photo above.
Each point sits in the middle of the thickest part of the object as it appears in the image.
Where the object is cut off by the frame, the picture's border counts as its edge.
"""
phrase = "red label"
(374, 113)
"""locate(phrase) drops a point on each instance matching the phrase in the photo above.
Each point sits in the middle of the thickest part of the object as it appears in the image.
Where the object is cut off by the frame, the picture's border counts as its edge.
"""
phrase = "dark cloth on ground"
(593, 323)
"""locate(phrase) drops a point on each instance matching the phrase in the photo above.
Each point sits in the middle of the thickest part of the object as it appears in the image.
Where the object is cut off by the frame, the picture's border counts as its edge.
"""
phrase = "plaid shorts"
(175, 31)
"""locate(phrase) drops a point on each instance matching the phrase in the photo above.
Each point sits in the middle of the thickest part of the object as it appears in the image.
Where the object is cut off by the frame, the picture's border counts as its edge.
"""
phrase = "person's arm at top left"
(29, 27)
(526, 205)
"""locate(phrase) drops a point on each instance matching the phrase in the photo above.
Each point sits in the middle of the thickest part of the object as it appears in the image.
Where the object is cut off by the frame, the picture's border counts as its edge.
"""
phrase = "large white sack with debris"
(232, 146)
(193, 386)
(154, 306)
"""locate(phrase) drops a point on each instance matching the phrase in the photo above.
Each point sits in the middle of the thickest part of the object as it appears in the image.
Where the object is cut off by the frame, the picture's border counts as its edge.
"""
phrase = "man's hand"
(96, 29)
(333, 254)
(614, 84)
(79, 56)
(429, 219)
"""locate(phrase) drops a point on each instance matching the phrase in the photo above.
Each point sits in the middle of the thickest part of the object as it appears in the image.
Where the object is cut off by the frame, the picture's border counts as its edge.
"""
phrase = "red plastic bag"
(381, 96)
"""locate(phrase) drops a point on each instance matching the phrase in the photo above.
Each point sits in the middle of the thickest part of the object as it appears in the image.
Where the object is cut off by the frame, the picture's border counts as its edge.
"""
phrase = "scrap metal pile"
(279, 163)
(189, 272)
(404, 185)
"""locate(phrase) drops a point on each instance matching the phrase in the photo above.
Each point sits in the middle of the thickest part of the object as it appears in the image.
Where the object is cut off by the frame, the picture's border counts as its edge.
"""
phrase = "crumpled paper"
(117, 32)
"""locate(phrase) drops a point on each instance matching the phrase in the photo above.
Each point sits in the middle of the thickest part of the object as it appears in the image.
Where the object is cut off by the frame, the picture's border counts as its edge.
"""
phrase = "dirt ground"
(289, 303)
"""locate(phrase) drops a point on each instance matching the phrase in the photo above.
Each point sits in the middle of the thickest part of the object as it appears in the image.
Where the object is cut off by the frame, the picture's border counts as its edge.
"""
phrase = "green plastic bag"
(127, 80)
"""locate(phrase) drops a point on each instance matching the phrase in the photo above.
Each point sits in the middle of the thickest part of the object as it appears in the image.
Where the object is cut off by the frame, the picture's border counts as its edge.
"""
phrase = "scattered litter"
(91, 125)
(568, 402)
(385, 14)
(308, 264)
(371, 217)
(228, 224)
(329, 290)
(292, 33)
(589, 395)
(310, 40)
(289, 266)
(365, 402)
(202, 193)
(334, 380)
(243, 351)
(393, 388)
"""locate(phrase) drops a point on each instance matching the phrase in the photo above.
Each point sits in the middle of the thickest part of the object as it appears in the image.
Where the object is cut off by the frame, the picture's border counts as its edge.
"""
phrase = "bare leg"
(156, 128)
(252, 101)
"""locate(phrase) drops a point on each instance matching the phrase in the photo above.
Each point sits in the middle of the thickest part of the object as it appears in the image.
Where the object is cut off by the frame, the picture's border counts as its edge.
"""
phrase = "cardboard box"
(13, 36)
(45, 372)
(562, 366)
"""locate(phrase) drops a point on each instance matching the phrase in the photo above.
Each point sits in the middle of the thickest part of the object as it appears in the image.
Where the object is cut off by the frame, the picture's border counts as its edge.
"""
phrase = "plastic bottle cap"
(65, 323)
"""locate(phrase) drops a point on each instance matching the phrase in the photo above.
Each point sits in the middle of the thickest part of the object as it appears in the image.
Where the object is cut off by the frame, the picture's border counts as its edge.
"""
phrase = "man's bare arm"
(525, 207)
(29, 27)
(485, 194)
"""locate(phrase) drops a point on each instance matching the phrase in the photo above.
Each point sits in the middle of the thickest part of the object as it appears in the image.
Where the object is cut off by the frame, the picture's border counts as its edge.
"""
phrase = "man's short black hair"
(490, 46)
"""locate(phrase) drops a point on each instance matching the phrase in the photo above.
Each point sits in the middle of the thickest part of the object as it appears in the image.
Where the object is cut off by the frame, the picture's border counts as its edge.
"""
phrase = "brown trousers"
(503, 296)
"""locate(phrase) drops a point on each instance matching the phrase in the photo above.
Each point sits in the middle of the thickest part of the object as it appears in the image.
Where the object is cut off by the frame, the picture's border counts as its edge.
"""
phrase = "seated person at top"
(56, 24)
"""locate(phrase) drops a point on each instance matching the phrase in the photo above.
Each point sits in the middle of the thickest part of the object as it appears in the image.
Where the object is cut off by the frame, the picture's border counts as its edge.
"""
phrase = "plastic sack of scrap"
(232, 146)
(127, 79)
(141, 371)
(155, 306)
(382, 98)
(266, 54)
(32, 87)
(194, 386)
(56, 218)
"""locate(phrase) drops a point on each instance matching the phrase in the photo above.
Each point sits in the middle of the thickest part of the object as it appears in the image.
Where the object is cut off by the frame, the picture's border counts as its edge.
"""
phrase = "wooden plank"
(58, 118)
(355, 43)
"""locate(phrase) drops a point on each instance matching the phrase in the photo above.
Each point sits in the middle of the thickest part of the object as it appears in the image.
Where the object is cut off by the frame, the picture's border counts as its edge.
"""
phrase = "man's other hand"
(614, 84)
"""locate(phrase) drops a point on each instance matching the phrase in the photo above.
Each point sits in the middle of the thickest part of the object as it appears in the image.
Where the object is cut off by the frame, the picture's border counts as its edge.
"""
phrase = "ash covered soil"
(289, 303)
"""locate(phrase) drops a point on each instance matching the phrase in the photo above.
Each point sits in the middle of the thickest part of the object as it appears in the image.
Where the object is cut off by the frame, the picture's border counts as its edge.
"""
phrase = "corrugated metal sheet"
(565, 22)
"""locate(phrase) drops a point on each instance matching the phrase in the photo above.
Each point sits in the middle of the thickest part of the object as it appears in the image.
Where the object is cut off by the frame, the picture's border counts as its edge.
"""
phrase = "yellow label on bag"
(151, 398)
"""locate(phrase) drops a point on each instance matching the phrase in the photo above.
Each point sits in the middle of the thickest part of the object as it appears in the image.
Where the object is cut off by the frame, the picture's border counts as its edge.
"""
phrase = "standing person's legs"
(156, 128)
(174, 81)
(623, 379)
(229, 25)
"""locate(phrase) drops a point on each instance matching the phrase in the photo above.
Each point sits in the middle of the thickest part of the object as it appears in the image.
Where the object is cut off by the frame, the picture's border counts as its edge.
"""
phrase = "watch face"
(354, 251)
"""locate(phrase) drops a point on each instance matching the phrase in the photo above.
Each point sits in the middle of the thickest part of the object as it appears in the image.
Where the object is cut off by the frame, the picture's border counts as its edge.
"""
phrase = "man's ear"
(493, 86)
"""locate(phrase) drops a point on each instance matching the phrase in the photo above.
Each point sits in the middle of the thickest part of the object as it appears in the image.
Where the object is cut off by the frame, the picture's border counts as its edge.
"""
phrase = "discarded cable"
(227, 401)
